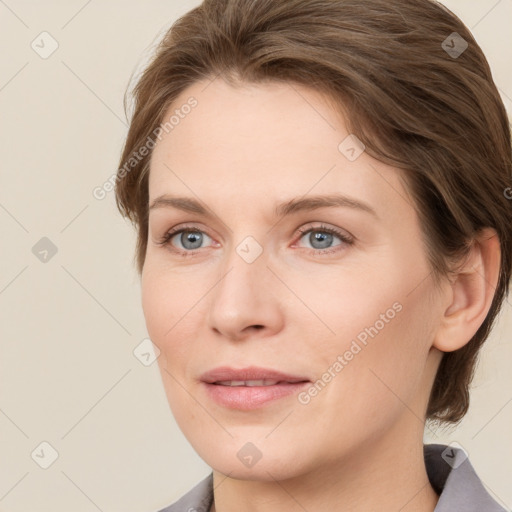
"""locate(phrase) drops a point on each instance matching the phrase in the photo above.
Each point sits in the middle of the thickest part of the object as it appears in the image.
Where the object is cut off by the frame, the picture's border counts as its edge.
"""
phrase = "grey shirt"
(450, 473)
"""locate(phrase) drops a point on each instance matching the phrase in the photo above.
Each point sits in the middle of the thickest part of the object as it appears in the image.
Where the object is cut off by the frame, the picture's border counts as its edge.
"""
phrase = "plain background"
(69, 326)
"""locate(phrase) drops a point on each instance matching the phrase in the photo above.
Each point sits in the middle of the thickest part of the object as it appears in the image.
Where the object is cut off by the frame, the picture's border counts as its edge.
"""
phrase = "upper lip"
(225, 373)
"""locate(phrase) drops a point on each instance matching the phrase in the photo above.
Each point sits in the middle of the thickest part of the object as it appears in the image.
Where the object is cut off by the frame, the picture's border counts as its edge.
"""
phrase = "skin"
(358, 444)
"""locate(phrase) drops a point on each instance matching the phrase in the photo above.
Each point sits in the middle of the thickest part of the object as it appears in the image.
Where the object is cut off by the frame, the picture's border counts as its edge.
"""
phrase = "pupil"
(322, 237)
(189, 237)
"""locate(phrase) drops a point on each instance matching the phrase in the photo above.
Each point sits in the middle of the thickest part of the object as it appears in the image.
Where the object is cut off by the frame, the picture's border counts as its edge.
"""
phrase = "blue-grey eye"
(191, 240)
(322, 238)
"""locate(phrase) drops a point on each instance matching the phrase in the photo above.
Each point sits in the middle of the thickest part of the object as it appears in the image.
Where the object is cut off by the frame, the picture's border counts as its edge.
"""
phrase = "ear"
(470, 293)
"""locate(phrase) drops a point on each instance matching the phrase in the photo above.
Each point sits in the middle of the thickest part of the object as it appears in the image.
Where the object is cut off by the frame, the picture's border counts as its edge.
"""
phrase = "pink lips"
(254, 386)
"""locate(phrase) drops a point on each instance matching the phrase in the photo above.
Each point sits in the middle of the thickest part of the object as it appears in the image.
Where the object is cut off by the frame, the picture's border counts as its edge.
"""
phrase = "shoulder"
(198, 499)
(453, 477)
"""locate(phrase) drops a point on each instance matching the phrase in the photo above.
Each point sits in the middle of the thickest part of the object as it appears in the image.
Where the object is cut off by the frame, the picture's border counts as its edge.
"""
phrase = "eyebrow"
(307, 203)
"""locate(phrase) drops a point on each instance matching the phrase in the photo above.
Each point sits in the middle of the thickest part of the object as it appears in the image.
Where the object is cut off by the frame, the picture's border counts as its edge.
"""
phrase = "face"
(292, 329)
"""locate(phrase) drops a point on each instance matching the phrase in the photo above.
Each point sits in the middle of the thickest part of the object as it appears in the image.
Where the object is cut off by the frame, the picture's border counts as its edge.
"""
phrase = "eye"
(321, 238)
(189, 240)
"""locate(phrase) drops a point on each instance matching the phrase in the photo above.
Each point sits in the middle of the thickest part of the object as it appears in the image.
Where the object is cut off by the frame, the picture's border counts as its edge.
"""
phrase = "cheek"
(173, 314)
(165, 305)
(384, 359)
(156, 299)
(165, 300)
(383, 329)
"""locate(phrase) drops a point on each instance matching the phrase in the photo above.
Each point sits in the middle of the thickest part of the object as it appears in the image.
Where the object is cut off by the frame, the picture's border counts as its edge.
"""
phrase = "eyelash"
(346, 239)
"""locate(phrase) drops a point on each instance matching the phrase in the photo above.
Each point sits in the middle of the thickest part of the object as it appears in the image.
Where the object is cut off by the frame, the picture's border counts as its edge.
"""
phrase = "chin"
(246, 460)
(261, 472)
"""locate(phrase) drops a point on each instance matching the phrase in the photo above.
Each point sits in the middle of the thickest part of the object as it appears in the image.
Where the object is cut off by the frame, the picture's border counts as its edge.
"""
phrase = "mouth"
(250, 388)
(248, 383)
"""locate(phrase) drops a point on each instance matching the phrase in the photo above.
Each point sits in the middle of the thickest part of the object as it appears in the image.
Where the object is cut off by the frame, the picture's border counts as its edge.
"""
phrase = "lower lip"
(251, 397)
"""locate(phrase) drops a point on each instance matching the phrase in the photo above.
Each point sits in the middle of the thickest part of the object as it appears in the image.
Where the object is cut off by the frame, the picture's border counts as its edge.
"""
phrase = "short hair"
(413, 86)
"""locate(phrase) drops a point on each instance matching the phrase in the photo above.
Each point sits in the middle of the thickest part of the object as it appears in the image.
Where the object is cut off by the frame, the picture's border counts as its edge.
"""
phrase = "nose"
(245, 301)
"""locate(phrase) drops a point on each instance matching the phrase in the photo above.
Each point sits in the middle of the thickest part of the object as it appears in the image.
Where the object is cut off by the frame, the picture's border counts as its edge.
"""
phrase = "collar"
(448, 468)
(453, 477)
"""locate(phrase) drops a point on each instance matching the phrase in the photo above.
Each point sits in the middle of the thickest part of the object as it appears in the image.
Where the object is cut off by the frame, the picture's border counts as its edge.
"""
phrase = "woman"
(324, 243)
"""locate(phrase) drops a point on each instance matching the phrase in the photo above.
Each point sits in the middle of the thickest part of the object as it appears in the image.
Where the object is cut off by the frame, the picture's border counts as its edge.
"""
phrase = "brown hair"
(411, 92)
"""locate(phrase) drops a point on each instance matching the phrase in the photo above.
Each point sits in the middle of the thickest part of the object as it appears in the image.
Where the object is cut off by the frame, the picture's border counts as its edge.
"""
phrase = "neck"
(388, 474)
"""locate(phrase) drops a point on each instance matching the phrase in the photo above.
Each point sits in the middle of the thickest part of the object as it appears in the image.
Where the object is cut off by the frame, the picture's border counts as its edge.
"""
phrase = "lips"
(250, 388)
(226, 374)
(248, 383)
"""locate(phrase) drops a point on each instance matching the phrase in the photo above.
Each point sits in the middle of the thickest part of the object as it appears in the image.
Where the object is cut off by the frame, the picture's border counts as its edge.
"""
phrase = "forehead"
(263, 143)
(251, 121)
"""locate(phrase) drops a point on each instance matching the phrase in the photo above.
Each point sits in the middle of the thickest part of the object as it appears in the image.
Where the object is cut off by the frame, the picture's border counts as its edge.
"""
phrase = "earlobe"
(472, 290)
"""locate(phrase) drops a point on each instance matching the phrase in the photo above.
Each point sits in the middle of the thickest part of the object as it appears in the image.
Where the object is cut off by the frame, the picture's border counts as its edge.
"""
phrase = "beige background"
(68, 375)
